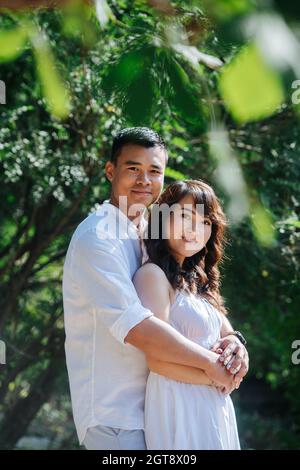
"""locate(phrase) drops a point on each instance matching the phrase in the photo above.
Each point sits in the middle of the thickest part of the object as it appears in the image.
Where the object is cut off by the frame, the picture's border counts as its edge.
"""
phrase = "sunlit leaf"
(54, 90)
(78, 21)
(194, 56)
(251, 90)
(225, 9)
(174, 174)
(103, 11)
(12, 43)
(292, 222)
(180, 143)
(262, 225)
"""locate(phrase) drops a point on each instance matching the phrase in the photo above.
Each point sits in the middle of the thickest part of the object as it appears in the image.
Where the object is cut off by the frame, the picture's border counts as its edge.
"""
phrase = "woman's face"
(188, 230)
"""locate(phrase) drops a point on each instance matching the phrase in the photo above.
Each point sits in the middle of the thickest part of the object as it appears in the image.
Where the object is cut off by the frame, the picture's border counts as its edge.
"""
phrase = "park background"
(217, 80)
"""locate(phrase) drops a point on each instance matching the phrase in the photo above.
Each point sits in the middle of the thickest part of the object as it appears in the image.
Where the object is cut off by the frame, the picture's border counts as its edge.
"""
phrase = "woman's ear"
(109, 170)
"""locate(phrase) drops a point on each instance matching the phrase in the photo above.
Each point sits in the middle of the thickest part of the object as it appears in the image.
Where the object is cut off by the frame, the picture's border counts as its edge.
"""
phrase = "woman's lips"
(187, 240)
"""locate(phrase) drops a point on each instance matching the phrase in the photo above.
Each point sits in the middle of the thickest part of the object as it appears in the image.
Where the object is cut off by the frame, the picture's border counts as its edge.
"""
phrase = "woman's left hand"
(234, 356)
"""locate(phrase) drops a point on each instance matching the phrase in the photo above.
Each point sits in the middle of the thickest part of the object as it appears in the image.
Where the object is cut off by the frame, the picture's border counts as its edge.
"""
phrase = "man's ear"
(109, 170)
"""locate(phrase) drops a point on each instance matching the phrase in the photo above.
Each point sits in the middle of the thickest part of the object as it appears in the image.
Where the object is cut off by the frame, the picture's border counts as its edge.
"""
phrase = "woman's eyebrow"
(190, 210)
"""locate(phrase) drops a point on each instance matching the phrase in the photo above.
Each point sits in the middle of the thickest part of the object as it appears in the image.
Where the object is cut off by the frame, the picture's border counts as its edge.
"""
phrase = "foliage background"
(73, 79)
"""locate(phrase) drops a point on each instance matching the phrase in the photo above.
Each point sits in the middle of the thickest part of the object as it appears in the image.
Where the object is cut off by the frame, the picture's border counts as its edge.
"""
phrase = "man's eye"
(133, 168)
(156, 171)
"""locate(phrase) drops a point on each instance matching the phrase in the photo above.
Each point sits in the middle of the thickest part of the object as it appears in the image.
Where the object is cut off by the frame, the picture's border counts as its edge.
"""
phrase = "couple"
(143, 295)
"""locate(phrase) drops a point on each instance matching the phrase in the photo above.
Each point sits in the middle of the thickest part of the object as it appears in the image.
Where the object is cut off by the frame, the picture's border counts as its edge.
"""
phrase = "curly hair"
(199, 273)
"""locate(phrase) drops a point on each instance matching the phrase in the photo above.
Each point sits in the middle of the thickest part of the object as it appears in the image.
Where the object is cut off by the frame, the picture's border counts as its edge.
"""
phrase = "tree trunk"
(17, 420)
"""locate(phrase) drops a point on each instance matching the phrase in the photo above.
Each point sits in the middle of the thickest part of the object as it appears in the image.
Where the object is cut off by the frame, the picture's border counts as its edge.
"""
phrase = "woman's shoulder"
(151, 271)
(151, 275)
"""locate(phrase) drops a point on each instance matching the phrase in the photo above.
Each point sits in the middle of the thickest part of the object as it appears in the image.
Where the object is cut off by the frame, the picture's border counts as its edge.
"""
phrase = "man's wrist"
(209, 361)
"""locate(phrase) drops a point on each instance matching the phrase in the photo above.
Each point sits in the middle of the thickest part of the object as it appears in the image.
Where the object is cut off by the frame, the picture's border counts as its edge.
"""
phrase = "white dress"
(187, 416)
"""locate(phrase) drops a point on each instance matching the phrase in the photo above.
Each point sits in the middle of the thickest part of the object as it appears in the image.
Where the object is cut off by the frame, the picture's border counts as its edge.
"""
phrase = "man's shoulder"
(96, 228)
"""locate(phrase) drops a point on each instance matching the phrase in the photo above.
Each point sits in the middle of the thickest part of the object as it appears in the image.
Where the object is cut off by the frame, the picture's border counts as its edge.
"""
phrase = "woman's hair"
(199, 274)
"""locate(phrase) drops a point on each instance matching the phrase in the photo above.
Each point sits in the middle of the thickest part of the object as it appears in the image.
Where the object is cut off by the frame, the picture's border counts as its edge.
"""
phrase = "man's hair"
(135, 136)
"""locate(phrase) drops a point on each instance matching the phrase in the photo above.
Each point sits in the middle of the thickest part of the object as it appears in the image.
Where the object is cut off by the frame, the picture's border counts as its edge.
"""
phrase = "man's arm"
(178, 372)
(153, 289)
(150, 278)
(99, 269)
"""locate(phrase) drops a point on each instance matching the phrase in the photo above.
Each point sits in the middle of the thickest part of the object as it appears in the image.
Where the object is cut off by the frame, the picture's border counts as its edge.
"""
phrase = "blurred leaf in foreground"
(12, 43)
(54, 90)
(250, 88)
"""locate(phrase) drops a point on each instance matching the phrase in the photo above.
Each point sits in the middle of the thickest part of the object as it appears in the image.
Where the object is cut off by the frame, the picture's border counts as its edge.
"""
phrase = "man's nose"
(143, 178)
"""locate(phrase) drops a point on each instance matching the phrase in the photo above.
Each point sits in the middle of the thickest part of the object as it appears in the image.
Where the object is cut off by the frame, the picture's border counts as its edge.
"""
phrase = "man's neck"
(136, 218)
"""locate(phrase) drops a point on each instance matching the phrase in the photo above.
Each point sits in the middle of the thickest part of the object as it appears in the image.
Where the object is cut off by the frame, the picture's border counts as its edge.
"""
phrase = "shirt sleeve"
(100, 270)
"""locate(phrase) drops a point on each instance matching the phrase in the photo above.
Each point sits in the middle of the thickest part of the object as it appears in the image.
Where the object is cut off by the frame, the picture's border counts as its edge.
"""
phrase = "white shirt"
(107, 377)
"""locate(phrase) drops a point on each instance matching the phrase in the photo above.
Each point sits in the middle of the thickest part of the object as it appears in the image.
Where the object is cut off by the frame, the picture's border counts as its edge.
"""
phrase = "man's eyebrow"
(132, 162)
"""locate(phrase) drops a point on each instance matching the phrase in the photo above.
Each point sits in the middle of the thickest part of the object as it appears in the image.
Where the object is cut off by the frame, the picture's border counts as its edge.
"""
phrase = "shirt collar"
(139, 229)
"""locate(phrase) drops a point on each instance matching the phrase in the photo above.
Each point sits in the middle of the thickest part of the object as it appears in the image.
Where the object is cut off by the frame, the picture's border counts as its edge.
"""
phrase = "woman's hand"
(229, 389)
(233, 355)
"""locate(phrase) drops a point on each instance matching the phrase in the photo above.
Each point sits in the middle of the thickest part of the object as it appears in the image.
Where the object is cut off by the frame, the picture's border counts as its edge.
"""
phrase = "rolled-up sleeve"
(100, 271)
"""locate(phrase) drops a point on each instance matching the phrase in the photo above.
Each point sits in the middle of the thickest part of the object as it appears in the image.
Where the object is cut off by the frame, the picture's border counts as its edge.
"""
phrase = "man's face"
(138, 175)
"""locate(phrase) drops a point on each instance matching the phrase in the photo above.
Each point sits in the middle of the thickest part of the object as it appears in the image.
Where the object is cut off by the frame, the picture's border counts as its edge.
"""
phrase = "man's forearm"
(179, 372)
(161, 341)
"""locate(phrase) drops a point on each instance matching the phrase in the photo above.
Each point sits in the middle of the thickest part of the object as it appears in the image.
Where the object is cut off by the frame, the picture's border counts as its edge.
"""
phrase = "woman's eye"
(185, 216)
(207, 222)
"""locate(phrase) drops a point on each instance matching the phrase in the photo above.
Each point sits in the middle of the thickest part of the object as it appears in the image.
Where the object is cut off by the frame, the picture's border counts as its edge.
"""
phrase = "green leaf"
(262, 225)
(54, 90)
(12, 43)
(174, 174)
(184, 97)
(140, 100)
(292, 222)
(127, 69)
(131, 79)
(250, 88)
(180, 143)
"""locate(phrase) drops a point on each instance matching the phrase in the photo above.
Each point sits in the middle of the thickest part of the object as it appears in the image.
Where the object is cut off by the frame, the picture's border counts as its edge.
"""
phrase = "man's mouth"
(138, 191)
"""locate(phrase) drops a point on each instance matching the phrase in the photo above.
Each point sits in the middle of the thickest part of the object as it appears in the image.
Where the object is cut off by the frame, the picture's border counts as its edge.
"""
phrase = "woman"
(180, 283)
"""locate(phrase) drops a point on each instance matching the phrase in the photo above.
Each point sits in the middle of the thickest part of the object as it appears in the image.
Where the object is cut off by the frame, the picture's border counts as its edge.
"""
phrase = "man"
(108, 331)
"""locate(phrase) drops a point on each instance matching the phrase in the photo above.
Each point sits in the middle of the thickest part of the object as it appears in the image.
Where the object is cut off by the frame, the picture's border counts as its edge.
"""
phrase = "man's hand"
(233, 355)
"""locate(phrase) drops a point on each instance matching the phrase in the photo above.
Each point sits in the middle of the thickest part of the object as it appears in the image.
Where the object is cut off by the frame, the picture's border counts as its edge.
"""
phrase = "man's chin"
(142, 198)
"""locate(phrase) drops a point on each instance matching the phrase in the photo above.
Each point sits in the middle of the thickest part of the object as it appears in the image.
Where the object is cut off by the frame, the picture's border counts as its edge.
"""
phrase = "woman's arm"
(178, 372)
